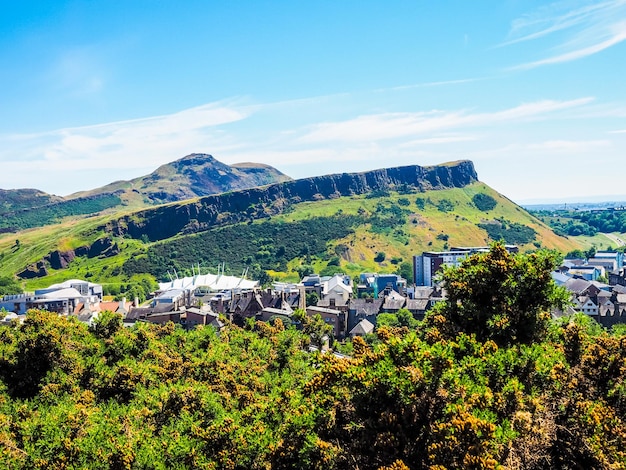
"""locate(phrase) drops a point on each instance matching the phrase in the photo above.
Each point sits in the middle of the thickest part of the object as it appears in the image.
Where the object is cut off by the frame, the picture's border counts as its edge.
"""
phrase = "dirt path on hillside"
(616, 239)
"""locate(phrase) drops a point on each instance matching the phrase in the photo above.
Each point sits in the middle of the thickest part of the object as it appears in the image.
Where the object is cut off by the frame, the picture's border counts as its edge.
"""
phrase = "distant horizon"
(573, 201)
(532, 92)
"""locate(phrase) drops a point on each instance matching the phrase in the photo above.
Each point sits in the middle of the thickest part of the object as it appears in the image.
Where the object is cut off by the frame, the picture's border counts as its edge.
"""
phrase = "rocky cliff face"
(103, 247)
(239, 206)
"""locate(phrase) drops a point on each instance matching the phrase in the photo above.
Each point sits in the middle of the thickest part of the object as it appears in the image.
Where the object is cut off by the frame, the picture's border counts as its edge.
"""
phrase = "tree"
(500, 296)
(9, 285)
(405, 269)
(402, 318)
(312, 298)
(315, 328)
(387, 319)
(405, 318)
(106, 325)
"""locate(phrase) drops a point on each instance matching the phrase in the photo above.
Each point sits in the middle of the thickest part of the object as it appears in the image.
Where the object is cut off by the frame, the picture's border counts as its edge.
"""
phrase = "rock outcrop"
(57, 259)
(240, 206)
(34, 270)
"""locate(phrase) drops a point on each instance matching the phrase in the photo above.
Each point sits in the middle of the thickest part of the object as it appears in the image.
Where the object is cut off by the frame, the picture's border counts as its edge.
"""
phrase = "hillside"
(192, 176)
(17, 199)
(327, 224)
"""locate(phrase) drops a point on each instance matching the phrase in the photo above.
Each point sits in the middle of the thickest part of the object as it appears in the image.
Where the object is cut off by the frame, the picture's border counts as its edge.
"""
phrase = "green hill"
(191, 176)
(275, 231)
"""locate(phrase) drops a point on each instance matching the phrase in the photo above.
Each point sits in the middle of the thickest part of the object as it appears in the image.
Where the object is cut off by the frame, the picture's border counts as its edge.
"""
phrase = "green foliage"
(405, 269)
(269, 245)
(155, 397)
(316, 329)
(9, 285)
(484, 202)
(312, 298)
(589, 223)
(511, 232)
(403, 318)
(52, 213)
(433, 395)
(404, 202)
(378, 193)
(380, 257)
(387, 218)
(501, 297)
(106, 325)
(445, 206)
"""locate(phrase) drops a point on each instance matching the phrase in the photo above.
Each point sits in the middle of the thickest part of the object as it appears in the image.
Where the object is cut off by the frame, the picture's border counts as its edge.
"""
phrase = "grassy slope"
(414, 238)
(418, 234)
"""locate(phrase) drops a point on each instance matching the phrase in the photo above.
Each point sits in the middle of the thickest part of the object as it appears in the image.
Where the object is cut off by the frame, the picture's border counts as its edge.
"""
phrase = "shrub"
(404, 202)
(484, 202)
(445, 205)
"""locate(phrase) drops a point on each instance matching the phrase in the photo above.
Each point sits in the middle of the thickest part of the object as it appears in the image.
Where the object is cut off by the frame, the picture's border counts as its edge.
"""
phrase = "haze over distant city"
(532, 92)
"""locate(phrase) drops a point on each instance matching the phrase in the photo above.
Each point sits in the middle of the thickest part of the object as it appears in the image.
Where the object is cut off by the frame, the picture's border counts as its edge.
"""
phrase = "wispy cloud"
(571, 146)
(394, 125)
(431, 84)
(125, 145)
(72, 159)
(580, 31)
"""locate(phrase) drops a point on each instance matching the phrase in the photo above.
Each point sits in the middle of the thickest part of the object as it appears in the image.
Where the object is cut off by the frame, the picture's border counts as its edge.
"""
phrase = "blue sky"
(532, 92)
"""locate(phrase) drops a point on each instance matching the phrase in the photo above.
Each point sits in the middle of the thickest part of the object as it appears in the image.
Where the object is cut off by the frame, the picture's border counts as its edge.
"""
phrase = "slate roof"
(394, 302)
(423, 292)
(417, 305)
(577, 286)
(366, 306)
(318, 309)
(326, 303)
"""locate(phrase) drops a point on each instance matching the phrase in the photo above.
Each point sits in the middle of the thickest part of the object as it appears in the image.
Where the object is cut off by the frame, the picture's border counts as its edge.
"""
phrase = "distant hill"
(195, 175)
(351, 222)
(12, 200)
(192, 176)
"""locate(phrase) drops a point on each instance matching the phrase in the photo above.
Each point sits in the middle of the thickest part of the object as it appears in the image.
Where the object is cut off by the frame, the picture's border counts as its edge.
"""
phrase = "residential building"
(380, 284)
(331, 316)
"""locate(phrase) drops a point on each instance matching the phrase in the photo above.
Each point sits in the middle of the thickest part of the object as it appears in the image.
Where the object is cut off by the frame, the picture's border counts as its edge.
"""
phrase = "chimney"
(123, 303)
(136, 301)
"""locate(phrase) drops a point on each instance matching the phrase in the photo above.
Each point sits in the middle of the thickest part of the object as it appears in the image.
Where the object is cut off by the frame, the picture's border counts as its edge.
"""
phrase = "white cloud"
(68, 160)
(395, 125)
(582, 30)
(126, 145)
(571, 146)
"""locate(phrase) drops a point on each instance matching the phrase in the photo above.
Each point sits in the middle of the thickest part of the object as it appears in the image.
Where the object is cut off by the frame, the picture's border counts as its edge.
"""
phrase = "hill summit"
(194, 175)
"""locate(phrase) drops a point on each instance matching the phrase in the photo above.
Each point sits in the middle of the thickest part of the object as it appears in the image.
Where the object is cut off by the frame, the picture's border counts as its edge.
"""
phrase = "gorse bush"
(487, 381)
